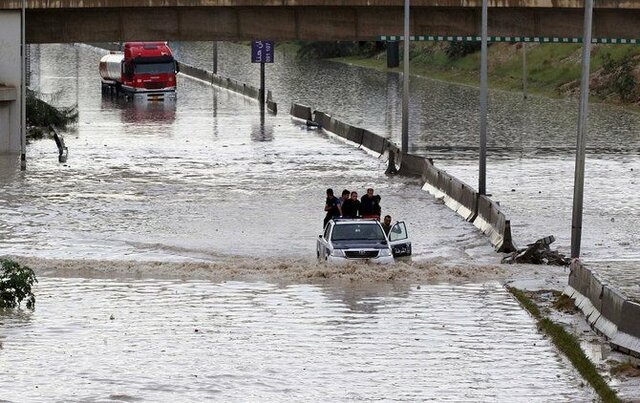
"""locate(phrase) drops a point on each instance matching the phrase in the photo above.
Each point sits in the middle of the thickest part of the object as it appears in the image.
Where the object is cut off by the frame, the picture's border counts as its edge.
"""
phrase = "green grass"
(569, 345)
(550, 66)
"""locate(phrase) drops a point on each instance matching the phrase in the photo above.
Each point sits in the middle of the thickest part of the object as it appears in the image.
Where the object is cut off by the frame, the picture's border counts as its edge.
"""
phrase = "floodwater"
(159, 340)
(531, 143)
(201, 215)
(203, 179)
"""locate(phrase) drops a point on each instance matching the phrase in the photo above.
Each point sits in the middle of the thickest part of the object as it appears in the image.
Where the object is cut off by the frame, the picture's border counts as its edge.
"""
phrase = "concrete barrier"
(271, 105)
(607, 310)
(374, 142)
(227, 83)
(300, 111)
(491, 221)
(457, 195)
(412, 165)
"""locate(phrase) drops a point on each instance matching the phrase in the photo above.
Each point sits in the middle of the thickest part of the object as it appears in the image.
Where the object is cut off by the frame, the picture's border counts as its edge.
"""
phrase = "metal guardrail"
(509, 39)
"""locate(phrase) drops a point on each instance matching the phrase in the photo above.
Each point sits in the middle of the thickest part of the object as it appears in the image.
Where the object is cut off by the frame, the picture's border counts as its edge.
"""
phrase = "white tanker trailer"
(144, 70)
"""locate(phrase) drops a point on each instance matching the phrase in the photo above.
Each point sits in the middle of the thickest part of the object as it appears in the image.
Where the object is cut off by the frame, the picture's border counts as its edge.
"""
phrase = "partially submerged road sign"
(261, 51)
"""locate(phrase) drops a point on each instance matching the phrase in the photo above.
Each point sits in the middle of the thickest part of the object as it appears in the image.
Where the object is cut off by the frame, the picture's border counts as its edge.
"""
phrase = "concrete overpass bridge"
(59, 21)
(63, 21)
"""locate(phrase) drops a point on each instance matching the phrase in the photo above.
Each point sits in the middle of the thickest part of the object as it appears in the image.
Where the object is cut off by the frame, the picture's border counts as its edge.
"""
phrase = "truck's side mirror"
(177, 67)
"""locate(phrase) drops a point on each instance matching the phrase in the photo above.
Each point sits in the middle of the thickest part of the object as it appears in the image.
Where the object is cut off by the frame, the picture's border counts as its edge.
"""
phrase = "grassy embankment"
(553, 69)
(568, 344)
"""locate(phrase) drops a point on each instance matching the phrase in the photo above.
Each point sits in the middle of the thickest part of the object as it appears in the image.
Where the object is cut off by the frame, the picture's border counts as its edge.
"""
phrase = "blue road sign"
(261, 51)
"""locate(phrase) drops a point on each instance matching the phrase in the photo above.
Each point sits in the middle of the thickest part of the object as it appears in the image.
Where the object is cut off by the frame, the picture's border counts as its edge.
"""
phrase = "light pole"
(405, 82)
(525, 70)
(482, 174)
(578, 183)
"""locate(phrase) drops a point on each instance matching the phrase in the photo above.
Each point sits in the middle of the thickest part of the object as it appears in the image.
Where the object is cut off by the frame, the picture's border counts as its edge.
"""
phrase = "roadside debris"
(538, 252)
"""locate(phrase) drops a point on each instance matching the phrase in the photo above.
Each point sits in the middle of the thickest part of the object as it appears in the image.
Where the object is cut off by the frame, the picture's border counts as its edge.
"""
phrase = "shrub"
(41, 114)
(457, 50)
(15, 285)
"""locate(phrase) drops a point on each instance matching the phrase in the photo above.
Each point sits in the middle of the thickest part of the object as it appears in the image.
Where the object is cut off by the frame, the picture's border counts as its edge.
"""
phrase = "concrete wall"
(457, 195)
(10, 77)
(608, 311)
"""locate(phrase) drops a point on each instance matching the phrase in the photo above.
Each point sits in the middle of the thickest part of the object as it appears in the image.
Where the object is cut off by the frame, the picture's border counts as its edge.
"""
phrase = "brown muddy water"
(192, 340)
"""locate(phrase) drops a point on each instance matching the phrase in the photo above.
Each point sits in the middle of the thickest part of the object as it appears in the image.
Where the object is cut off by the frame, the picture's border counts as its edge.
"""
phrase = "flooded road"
(201, 179)
(531, 143)
(152, 340)
(200, 215)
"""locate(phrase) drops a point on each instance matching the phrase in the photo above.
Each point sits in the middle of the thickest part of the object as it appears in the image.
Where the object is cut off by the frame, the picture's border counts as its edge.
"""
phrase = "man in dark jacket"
(332, 207)
(370, 205)
(351, 206)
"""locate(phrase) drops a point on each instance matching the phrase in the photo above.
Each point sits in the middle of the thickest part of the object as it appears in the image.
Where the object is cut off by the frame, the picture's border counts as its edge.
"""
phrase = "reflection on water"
(262, 131)
(141, 111)
(153, 340)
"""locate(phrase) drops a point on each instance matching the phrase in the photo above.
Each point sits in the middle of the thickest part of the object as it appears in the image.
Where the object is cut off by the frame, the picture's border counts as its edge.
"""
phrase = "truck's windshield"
(360, 232)
(154, 68)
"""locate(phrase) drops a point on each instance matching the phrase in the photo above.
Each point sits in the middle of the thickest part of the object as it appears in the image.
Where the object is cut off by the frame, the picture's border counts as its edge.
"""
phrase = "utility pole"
(405, 82)
(482, 175)
(578, 183)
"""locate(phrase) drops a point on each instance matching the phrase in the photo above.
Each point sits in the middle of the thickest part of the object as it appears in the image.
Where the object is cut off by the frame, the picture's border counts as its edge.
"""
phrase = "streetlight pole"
(525, 70)
(578, 184)
(482, 175)
(215, 57)
(405, 82)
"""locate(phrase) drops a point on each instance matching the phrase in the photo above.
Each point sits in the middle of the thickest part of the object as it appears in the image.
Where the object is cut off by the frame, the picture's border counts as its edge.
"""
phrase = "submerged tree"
(15, 285)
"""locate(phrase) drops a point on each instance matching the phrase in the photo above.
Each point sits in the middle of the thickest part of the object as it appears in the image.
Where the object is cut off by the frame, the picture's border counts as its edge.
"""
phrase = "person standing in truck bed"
(351, 206)
(332, 207)
(370, 205)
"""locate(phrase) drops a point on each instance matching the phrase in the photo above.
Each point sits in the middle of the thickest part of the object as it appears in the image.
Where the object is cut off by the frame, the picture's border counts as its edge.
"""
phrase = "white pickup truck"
(362, 240)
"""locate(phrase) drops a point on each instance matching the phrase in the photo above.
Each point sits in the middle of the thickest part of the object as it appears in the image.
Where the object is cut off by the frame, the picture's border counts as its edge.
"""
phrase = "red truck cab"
(143, 70)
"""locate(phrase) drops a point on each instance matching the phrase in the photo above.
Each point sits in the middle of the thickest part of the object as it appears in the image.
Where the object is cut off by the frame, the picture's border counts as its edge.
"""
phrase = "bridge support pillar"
(10, 82)
(393, 54)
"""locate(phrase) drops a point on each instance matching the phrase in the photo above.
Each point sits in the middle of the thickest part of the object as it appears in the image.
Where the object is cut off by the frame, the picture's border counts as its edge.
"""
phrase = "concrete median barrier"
(300, 111)
(457, 195)
(492, 222)
(227, 83)
(373, 142)
(607, 310)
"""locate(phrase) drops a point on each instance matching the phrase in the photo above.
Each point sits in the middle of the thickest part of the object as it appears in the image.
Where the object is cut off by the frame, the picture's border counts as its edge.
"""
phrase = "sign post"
(261, 52)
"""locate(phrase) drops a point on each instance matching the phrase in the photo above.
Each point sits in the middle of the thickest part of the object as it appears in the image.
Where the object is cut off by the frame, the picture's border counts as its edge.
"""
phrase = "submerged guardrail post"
(578, 184)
